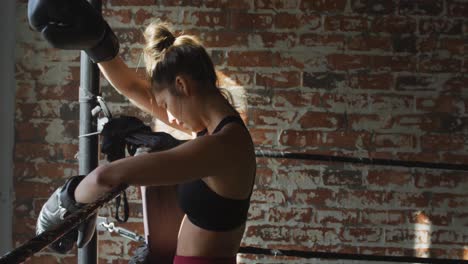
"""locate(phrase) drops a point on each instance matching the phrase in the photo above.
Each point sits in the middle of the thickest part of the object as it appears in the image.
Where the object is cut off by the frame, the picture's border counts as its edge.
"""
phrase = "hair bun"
(165, 42)
(158, 36)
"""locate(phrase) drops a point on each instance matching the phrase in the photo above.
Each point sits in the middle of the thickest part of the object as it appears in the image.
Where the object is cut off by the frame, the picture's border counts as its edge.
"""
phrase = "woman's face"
(172, 105)
(179, 109)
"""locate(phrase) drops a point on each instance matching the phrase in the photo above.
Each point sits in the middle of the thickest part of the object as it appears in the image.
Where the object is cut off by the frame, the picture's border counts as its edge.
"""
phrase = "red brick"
(241, 21)
(129, 36)
(431, 64)
(379, 81)
(449, 200)
(440, 179)
(354, 234)
(336, 216)
(405, 44)
(393, 24)
(447, 237)
(326, 40)
(253, 58)
(346, 23)
(341, 177)
(460, 219)
(274, 40)
(131, 2)
(430, 218)
(390, 103)
(369, 43)
(407, 236)
(453, 46)
(373, 7)
(427, 44)
(67, 91)
(33, 189)
(417, 83)
(298, 176)
(224, 39)
(25, 90)
(318, 198)
(339, 102)
(297, 21)
(440, 26)
(324, 80)
(345, 62)
(284, 98)
(393, 63)
(260, 97)
(407, 199)
(277, 5)
(47, 259)
(423, 8)
(457, 8)
(377, 217)
(388, 178)
(329, 121)
(269, 233)
(349, 140)
(267, 117)
(415, 122)
(110, 248)
(366, 122)
(401, 142)
(264, 177)
(296, 215)
(443, 142)
(263, 136)
(256, 213)
(144, 17)
(350, 198)
(236, 5)
(270, 196)
(284, 79)
(24, 225)
(206, 19)
(30, 132)
(112, 16)
(323, 5)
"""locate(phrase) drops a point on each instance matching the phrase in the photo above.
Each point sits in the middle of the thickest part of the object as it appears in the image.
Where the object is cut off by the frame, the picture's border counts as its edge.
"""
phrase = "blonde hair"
(166, 56)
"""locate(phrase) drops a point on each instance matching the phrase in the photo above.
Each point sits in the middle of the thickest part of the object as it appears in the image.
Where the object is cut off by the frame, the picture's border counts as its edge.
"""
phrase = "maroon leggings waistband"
(203, 260)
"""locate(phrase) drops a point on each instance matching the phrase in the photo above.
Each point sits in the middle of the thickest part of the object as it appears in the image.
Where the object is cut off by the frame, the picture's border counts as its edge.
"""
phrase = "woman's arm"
(192, 160)
(137, 90)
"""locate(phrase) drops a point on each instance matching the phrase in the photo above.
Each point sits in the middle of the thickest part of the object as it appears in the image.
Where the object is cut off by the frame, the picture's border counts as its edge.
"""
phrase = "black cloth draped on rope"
(129, 133)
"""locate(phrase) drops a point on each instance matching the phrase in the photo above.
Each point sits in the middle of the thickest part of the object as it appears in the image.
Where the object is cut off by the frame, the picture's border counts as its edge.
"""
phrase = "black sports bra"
(207, 209)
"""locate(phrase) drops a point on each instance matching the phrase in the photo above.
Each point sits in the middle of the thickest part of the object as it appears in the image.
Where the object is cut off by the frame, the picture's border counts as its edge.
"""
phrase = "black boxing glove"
(73, 25)
(61, 204)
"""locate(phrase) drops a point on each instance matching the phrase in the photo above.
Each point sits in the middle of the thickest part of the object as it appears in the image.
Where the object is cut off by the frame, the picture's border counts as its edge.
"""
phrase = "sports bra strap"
(225, 121)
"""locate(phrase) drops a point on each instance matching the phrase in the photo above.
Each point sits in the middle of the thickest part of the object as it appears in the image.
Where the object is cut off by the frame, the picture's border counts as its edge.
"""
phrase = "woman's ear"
(182, 85)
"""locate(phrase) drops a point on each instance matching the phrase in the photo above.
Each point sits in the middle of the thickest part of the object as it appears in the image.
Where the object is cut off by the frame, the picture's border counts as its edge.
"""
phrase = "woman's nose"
(171, 118)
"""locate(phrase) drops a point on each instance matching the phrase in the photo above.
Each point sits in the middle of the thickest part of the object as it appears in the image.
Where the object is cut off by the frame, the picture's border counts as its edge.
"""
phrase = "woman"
(215, 172)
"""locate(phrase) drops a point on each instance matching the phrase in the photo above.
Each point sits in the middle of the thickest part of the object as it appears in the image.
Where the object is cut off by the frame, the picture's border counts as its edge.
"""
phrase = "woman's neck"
(216, 107)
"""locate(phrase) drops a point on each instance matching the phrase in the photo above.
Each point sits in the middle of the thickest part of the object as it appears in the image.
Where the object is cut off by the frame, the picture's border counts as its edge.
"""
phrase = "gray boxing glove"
(61, 204)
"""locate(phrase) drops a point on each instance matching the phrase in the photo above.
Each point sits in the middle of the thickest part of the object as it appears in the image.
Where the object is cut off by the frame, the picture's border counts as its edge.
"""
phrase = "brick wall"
(384, 79)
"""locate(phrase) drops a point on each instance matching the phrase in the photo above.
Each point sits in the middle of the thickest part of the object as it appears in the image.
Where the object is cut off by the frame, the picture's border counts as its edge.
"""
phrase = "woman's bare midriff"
(195, 241)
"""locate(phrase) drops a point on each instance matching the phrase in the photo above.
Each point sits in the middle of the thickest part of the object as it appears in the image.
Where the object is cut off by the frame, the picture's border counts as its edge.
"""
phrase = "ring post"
(88, 146)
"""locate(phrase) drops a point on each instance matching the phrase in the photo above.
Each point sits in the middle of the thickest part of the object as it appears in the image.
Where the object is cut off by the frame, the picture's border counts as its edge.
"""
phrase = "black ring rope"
(367, 161)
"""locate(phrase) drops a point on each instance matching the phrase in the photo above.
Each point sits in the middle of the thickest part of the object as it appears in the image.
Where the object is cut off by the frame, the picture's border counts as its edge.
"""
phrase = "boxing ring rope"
(365, 161)
(42, 240)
